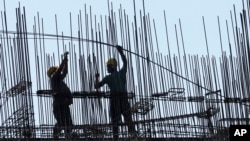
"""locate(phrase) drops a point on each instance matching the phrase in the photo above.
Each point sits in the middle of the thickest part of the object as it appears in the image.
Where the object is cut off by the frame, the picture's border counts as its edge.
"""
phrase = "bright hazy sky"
(190, 13)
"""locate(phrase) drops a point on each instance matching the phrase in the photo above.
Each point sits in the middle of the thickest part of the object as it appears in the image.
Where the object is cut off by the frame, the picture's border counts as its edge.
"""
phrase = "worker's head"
(52, 70)
(111, 65)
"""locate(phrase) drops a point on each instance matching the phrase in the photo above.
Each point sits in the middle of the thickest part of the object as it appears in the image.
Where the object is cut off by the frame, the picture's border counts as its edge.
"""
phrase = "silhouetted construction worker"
(62, 97)
(119, 104)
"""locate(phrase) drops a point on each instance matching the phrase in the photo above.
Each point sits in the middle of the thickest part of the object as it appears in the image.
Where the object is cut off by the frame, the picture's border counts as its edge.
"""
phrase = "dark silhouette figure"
(62, 97)
(119, 104)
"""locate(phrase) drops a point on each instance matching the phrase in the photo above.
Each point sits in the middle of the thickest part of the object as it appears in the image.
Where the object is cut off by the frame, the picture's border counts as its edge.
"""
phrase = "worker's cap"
(52, 70)
(112, 62)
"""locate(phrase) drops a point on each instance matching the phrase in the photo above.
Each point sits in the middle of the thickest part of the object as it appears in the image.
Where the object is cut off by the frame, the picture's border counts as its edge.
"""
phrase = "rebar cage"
(171, 96)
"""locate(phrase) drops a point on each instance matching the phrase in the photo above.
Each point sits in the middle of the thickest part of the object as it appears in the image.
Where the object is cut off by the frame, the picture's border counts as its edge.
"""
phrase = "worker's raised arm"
(124, 59)
(63, 68)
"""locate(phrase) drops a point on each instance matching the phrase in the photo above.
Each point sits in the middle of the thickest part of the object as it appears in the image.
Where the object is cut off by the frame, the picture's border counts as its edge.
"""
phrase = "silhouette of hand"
(119, 48)
(66, 54)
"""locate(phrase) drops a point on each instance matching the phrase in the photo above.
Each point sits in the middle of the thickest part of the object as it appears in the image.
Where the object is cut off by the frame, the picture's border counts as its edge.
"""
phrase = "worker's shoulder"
(123, 70)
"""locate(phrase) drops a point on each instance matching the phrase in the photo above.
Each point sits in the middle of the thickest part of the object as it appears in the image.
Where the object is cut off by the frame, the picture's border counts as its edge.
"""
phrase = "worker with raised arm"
(62, 98)
(119, 104)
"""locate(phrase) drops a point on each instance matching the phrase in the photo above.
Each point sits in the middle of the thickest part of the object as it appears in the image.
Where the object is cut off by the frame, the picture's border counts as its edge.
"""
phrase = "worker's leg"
(115, 116)
(68, 120)
(57, 114)
(127, 113)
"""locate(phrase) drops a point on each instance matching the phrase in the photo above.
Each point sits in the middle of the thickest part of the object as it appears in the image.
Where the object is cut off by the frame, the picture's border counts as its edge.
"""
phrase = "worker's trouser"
(119, 105)
(63, 119)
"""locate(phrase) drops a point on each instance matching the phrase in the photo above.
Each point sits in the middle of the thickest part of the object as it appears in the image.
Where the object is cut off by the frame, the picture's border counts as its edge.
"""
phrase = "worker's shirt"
(116, 81)
(60, 90)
